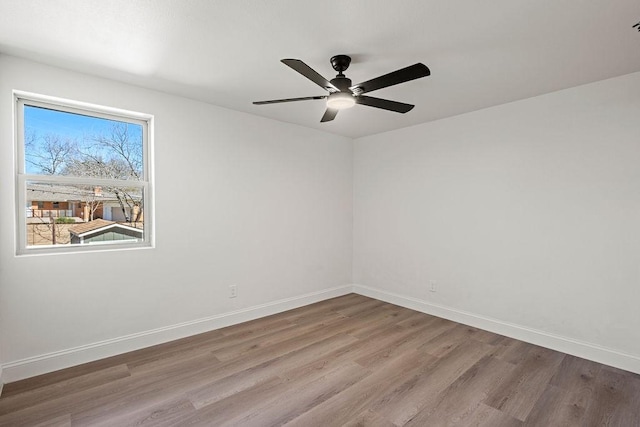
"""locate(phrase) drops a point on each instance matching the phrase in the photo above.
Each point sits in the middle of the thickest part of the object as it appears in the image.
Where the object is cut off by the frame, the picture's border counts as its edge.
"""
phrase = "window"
(83, 176)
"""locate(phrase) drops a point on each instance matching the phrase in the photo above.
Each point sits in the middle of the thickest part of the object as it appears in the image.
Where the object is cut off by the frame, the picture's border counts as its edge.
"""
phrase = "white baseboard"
(578, 348)
(37, 365)
(32, 366)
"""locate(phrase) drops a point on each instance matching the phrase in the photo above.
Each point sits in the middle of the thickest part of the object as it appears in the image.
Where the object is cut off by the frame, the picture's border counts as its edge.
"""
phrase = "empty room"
(348, 213)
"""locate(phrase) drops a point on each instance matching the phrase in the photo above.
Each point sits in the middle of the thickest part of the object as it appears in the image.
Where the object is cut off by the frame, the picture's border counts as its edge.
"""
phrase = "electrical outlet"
(433, 287)
(233, 291)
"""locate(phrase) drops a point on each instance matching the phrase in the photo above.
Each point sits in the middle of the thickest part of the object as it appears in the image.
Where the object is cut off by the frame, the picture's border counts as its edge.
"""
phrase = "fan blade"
(329, 115)
(275, 101)
(310, 73)
(409, 73)
(385, 104)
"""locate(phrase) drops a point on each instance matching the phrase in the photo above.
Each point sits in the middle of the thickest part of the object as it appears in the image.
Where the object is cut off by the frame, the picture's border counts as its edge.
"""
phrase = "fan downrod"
(340, 63)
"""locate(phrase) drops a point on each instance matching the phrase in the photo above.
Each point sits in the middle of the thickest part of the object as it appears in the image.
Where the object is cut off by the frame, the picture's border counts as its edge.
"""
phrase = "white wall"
(527, 216)
(271, 211)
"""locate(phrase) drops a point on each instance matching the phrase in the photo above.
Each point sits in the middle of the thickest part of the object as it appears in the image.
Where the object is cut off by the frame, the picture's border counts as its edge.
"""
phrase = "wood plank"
(417, 335)
(368, 418)
(458, 402)
(294, 332)
(526, 384)
(616, 399)
(87, 381)
(242, 380)
(387, 316)
(513, 351)
(422, 390)
(576, 373)
(314, 312)
(224, 410)
(450, 338)
(357, 398)
(297, 401)
(171, 360)
(61, 421)
(486, 416)
(130, 391)
(162, 413)
(371, 306)
(560, 407)
(388, 337)
(565, 399)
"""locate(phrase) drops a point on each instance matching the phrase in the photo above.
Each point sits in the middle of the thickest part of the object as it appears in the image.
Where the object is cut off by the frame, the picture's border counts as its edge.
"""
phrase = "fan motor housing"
(342, 83)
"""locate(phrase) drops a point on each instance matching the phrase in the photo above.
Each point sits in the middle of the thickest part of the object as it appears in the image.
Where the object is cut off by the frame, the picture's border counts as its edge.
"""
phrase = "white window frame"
(65, 105)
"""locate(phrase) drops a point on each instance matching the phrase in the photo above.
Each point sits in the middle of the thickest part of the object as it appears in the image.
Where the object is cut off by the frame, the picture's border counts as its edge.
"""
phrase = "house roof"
(99, 225)
(64, 193)
(90, 226)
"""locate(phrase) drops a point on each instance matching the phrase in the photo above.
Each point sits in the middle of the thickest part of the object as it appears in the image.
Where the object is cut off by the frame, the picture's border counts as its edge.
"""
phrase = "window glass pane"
(82, 177)
(82, 214)
(63, 143)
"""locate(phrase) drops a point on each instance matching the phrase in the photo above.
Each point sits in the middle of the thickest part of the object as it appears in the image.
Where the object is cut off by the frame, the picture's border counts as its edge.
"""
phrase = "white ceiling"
(481, 53)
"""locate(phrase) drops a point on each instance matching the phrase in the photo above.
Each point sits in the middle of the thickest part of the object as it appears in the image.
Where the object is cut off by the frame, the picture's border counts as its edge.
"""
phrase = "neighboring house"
(45, 201)
(101, 230)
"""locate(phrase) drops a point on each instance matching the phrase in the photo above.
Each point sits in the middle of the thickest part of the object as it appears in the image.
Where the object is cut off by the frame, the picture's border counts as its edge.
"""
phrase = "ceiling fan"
(342, 94)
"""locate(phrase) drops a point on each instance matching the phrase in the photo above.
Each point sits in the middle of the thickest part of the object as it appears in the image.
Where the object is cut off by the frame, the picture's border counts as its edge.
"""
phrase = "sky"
(43, 121)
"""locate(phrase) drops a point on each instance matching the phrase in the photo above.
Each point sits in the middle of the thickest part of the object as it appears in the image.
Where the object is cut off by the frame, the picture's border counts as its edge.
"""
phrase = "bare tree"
(92, 198)
(114, 155)
(128, 150)
(126, 165)
(49, 153)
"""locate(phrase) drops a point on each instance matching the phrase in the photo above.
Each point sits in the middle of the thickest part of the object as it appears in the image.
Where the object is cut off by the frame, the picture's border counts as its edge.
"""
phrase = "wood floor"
(349, 361)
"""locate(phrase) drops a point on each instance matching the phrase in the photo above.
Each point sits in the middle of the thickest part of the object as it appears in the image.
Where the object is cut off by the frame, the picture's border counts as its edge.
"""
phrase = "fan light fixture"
(340, 101)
